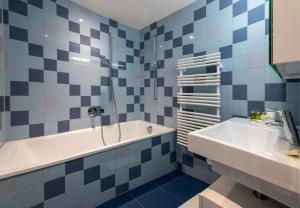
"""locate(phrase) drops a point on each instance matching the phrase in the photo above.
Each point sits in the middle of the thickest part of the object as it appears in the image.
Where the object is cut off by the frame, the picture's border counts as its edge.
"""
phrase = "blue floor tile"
(194, 182)
(167, 178)
(118, 202)
(158, 199)
(132, 204)
(181, 190)
(146, 188)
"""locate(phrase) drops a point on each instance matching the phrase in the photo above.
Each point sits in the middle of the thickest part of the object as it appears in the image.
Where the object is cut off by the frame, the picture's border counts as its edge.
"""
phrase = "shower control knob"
(94, 111)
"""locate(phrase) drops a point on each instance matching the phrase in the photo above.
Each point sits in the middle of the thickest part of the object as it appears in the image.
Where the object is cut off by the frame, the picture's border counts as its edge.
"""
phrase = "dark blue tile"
(36, 75)
(91, 174)
(158, 199)
(146, 36)
(146, 155)
(181, 190)
(136, 99)
(226, 52)
(188, 29)
(239, 92)
(256, 106)
(130, 108)
(142, 107)
(74, 166)
(168, 53)
(62, 11)
(142, 45)
(143, 189)
(129, 43)
(226, 78)
(200, 185)
(142, 91)
(209, 1)
(7, 103)
(146, 82)
(239, 8)
(132, 204)
(2, 104)
(240, 35)
(75, 113)
(5, 17)
(165, 148)
(35, 50)
(19, 118)
(74, 27)
(257, 14)
(18, 6)
(107, 183)
(147, 116)
(160, 82)
(175, 103)
(18, 88)
(188, 160)
(130, 90)
(160, 64)
(122, 82)
(121, 34)
(122, 188)
(160, 120)
(275, 92)
(113, 23)
(123, 117)
(168, 111)
(121, 65)
(95, 90)
(62, 78)
(136, 53)
(160, 30)
(40, 205)
(105, 81)
(36, 130)
(74, 47)
(85, 40)
(173, 157)
(129, 59)
(17, 33)
(224, 3)
(95, 34)
(62, 55)
(156, 141)
(147, 66)
(168, 91)
(124, 200)
(74, 90)
(177, 42)
(50, 64)
(54, 188)
(200, 13)
(105, 119)
(153, 26)
(63, 126)
(167, 178)
(188, 49)
(36, 3)
(104, 28)
(134, 172)
(169, 36)
(95, 52)
(85, 101)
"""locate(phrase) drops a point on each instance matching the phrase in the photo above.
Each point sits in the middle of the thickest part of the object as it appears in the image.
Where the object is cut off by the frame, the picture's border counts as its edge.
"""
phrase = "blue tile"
(54, 188)
(122, 82)
(129, 43)
(239, 92)
(63, 126)
(188, 160)
(95, 34)
(122, 34)
(158, 199)
(2, 104)
(75, 113)
(146, 155)
(168, 53)
(18, 88)
(74, 90)
(142, 45)
(147, 116)
(165, 148)
(107, 183)
(36, 130)
(123, 117)
(122, 65)
(113, 23)
(62, 11)
(7, 103)
(275, 92)
(85, 40)
(257, 14)
(36, 3)
(74, 47)
(130, 108)
(19, 118)
(200, 13)
(239, 8)
(105, 119)
(224, 3)
(129, 59)
(160, 81)
(85, 101)
(74, 27)
(132, 204)
(160, 64)
(153, 26)
(168, 36)
(62, 78)
(50, 64)
(95, 52)
(62, 55)
(136, 99)
(188, 49)
(95, 90)
(168, 91)
(91, 174)
(134, 172)
(105, 81)
(167, 178)
(156, 141)
(240, 35)
(226, 52)
(17, 33)
(18, 7)
(187, 29)
(168, 111)
(255, 106)
(194, 182)
(209, 1)
(226, 78)
(122, 201)
(160, 30)
(173, 157)
(74, 166)
(104, 28)
(177, 42)
(136, 53)
(122, 188)
(35, 50)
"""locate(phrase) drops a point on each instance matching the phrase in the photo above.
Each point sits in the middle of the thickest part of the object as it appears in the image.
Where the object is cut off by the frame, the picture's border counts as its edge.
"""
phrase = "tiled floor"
(169, 191)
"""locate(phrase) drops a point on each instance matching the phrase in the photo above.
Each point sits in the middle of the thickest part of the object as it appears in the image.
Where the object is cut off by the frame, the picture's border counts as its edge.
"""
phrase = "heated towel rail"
(188, 120)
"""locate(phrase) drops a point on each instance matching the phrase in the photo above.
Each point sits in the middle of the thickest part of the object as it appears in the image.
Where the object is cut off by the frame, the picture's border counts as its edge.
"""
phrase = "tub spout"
(93, 125)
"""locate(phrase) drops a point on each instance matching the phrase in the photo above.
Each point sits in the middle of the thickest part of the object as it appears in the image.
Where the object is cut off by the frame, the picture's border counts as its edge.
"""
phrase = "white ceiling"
(135, 13)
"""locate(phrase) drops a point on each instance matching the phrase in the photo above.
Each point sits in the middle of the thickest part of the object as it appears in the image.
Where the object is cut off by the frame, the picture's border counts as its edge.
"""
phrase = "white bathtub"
(17, 157)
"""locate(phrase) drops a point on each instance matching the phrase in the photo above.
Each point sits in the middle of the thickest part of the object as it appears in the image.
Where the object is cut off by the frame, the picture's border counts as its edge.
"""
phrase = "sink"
(251, 148)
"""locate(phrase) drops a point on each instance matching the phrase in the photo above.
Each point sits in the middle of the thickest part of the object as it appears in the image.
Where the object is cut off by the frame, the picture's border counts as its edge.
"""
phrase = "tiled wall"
(236, 28)
(92, 180)
(49, 90)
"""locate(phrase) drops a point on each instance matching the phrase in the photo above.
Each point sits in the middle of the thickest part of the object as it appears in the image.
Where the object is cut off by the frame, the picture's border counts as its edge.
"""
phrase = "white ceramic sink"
(252, 148)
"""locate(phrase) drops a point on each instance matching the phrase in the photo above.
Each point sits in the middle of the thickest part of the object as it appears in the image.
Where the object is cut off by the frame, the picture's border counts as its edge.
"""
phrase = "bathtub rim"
(47, 164)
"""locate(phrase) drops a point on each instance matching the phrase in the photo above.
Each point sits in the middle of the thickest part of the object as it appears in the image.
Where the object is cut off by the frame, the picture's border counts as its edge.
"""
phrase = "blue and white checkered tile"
(92, 180)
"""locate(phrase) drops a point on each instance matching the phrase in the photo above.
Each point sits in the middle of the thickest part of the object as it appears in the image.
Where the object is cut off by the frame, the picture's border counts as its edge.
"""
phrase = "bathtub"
(27, 155)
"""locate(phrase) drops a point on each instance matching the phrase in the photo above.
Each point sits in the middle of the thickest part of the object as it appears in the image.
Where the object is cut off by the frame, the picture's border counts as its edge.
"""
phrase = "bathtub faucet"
(94, 111)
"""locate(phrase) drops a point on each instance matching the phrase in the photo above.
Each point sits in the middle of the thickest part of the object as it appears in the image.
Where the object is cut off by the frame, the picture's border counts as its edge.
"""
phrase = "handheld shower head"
(104, 61)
